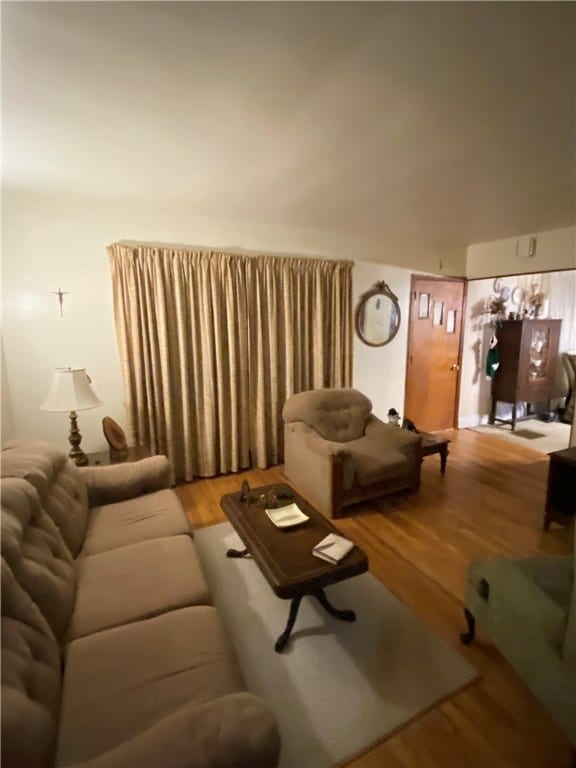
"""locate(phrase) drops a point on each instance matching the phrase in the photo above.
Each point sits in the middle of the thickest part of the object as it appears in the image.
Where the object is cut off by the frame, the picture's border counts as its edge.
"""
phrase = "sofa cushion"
(142, 580)
(36, 553)
(118, 482)
(119, 683)
(152, 516)
(60, 487)
(336, 414)
(31, 679)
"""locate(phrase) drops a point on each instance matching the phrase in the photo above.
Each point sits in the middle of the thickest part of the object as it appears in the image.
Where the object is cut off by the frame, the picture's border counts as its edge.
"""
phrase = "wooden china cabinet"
(528, 353)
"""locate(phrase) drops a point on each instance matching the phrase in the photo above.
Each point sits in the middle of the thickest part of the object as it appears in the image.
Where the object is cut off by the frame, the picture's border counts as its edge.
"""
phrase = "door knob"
(455, 367)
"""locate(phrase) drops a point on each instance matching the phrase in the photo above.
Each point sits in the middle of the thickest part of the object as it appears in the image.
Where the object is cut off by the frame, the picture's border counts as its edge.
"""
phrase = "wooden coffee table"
(284, 555)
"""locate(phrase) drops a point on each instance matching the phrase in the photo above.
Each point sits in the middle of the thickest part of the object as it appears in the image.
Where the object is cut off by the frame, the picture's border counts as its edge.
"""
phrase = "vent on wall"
(526, 248)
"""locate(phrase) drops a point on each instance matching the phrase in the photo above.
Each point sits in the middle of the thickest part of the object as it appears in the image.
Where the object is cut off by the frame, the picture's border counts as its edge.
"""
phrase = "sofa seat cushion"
(121, 682)
(152, 516)
(136, 582)
(372, 463)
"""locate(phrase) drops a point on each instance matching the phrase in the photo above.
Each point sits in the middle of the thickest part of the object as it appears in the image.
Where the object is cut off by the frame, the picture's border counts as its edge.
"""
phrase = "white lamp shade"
(70, 391)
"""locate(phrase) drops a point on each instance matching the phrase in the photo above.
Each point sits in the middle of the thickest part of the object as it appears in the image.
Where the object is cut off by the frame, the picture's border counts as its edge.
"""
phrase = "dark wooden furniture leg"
(237, 553)
(443, 458)
(344, 614)
(467, 637)
(320, 595)
(492, 415)
(285, 636)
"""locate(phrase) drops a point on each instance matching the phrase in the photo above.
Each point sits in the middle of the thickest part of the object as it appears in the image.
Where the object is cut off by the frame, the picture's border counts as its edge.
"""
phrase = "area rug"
(339, 687)
(540, 436)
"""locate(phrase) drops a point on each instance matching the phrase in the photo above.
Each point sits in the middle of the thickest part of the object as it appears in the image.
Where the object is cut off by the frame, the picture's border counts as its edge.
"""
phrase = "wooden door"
(433, 365)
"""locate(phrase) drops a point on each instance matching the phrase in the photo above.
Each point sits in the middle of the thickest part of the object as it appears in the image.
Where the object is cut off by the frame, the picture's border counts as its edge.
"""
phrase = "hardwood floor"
(490, 501)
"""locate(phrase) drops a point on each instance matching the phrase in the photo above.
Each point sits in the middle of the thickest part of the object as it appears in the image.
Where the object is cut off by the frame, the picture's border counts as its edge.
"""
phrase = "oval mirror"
(377, 316)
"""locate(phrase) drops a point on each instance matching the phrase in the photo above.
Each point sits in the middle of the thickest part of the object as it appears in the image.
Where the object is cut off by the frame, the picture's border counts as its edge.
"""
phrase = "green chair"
(528, 607)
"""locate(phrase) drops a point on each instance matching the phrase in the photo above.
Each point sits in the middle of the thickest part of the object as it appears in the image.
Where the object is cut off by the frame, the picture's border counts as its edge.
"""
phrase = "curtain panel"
(211, 345)
(300, 338)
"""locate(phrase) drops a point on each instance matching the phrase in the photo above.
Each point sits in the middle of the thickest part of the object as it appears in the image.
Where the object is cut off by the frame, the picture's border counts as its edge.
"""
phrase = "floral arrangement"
(536, 300)
(497, 306)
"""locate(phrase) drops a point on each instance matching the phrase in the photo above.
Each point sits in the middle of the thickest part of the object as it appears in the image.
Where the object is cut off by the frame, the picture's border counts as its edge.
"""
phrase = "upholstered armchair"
(337, 452)
(528, 608)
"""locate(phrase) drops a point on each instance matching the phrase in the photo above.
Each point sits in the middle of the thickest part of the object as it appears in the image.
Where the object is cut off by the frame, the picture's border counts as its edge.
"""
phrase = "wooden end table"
(561, 491)
(284, 555)
(434, 444)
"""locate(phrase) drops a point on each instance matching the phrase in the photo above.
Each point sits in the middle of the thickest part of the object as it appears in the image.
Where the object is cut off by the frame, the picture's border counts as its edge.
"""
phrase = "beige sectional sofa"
(112, 653)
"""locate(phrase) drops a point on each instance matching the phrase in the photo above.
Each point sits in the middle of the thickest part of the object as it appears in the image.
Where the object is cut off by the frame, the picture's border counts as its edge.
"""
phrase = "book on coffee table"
(333, 548)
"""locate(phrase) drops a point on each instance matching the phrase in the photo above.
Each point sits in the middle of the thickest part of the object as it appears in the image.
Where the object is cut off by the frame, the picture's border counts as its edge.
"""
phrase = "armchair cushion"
(338, 415)
(372, 462)
(387, 434)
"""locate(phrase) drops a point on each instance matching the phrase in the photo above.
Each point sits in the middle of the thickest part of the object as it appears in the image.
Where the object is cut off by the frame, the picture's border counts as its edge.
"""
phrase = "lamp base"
(75, 438)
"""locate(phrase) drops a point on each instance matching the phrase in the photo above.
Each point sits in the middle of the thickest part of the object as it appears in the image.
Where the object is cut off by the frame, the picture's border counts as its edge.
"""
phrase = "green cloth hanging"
(492, 362)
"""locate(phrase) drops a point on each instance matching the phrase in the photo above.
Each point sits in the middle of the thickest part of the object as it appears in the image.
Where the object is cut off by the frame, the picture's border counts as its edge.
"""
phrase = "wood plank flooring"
(490, 501)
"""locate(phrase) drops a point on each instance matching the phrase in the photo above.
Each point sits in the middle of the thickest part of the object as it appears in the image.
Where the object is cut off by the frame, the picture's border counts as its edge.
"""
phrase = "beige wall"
(7, 410)
(555, 250)
(51, 243)
(380, 372)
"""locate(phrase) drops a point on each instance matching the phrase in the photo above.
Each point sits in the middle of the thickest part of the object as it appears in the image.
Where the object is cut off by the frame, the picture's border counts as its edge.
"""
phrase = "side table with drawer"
(434, 444)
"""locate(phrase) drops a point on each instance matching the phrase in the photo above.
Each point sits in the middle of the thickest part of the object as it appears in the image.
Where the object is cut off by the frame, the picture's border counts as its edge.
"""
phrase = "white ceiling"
(447, 123)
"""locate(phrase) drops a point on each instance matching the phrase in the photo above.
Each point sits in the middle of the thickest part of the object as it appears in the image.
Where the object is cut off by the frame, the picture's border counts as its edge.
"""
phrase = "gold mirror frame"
(378, 289)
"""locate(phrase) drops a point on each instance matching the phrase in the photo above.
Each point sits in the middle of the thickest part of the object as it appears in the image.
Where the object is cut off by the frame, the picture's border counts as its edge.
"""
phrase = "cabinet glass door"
(538, 354)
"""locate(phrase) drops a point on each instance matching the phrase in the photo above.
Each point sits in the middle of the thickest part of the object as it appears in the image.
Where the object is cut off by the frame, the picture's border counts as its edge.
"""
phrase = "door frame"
(414, 277)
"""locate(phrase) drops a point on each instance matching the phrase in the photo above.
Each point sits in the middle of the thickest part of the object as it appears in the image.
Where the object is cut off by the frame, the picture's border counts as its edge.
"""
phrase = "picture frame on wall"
(438, 313)
(424, 305)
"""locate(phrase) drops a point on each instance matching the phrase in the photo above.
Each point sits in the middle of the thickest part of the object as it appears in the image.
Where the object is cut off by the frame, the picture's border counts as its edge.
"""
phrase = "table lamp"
(71, 391)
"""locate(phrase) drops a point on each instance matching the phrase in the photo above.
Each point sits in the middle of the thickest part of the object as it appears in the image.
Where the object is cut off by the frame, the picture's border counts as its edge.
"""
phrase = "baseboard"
(472, 421)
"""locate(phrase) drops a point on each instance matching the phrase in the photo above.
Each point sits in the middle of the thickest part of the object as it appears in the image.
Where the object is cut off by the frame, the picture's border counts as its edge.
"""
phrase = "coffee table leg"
(237, 553)
(345, 615)
(284, 637)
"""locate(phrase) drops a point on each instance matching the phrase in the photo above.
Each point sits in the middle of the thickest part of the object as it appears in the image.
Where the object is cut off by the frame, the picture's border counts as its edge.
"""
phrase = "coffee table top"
(284, 555)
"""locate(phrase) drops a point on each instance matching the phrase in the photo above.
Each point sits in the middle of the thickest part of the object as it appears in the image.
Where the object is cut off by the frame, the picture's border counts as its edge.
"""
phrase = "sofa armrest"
(403, 440)
(119, 482)
(234, 730)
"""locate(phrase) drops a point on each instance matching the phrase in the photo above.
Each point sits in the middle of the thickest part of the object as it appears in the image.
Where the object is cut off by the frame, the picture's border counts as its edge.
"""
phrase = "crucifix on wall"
(60, 293)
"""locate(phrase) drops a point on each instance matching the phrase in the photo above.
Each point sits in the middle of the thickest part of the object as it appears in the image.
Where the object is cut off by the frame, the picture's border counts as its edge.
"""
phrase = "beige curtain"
(181, 320)
(212, 344)
(300, 338)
